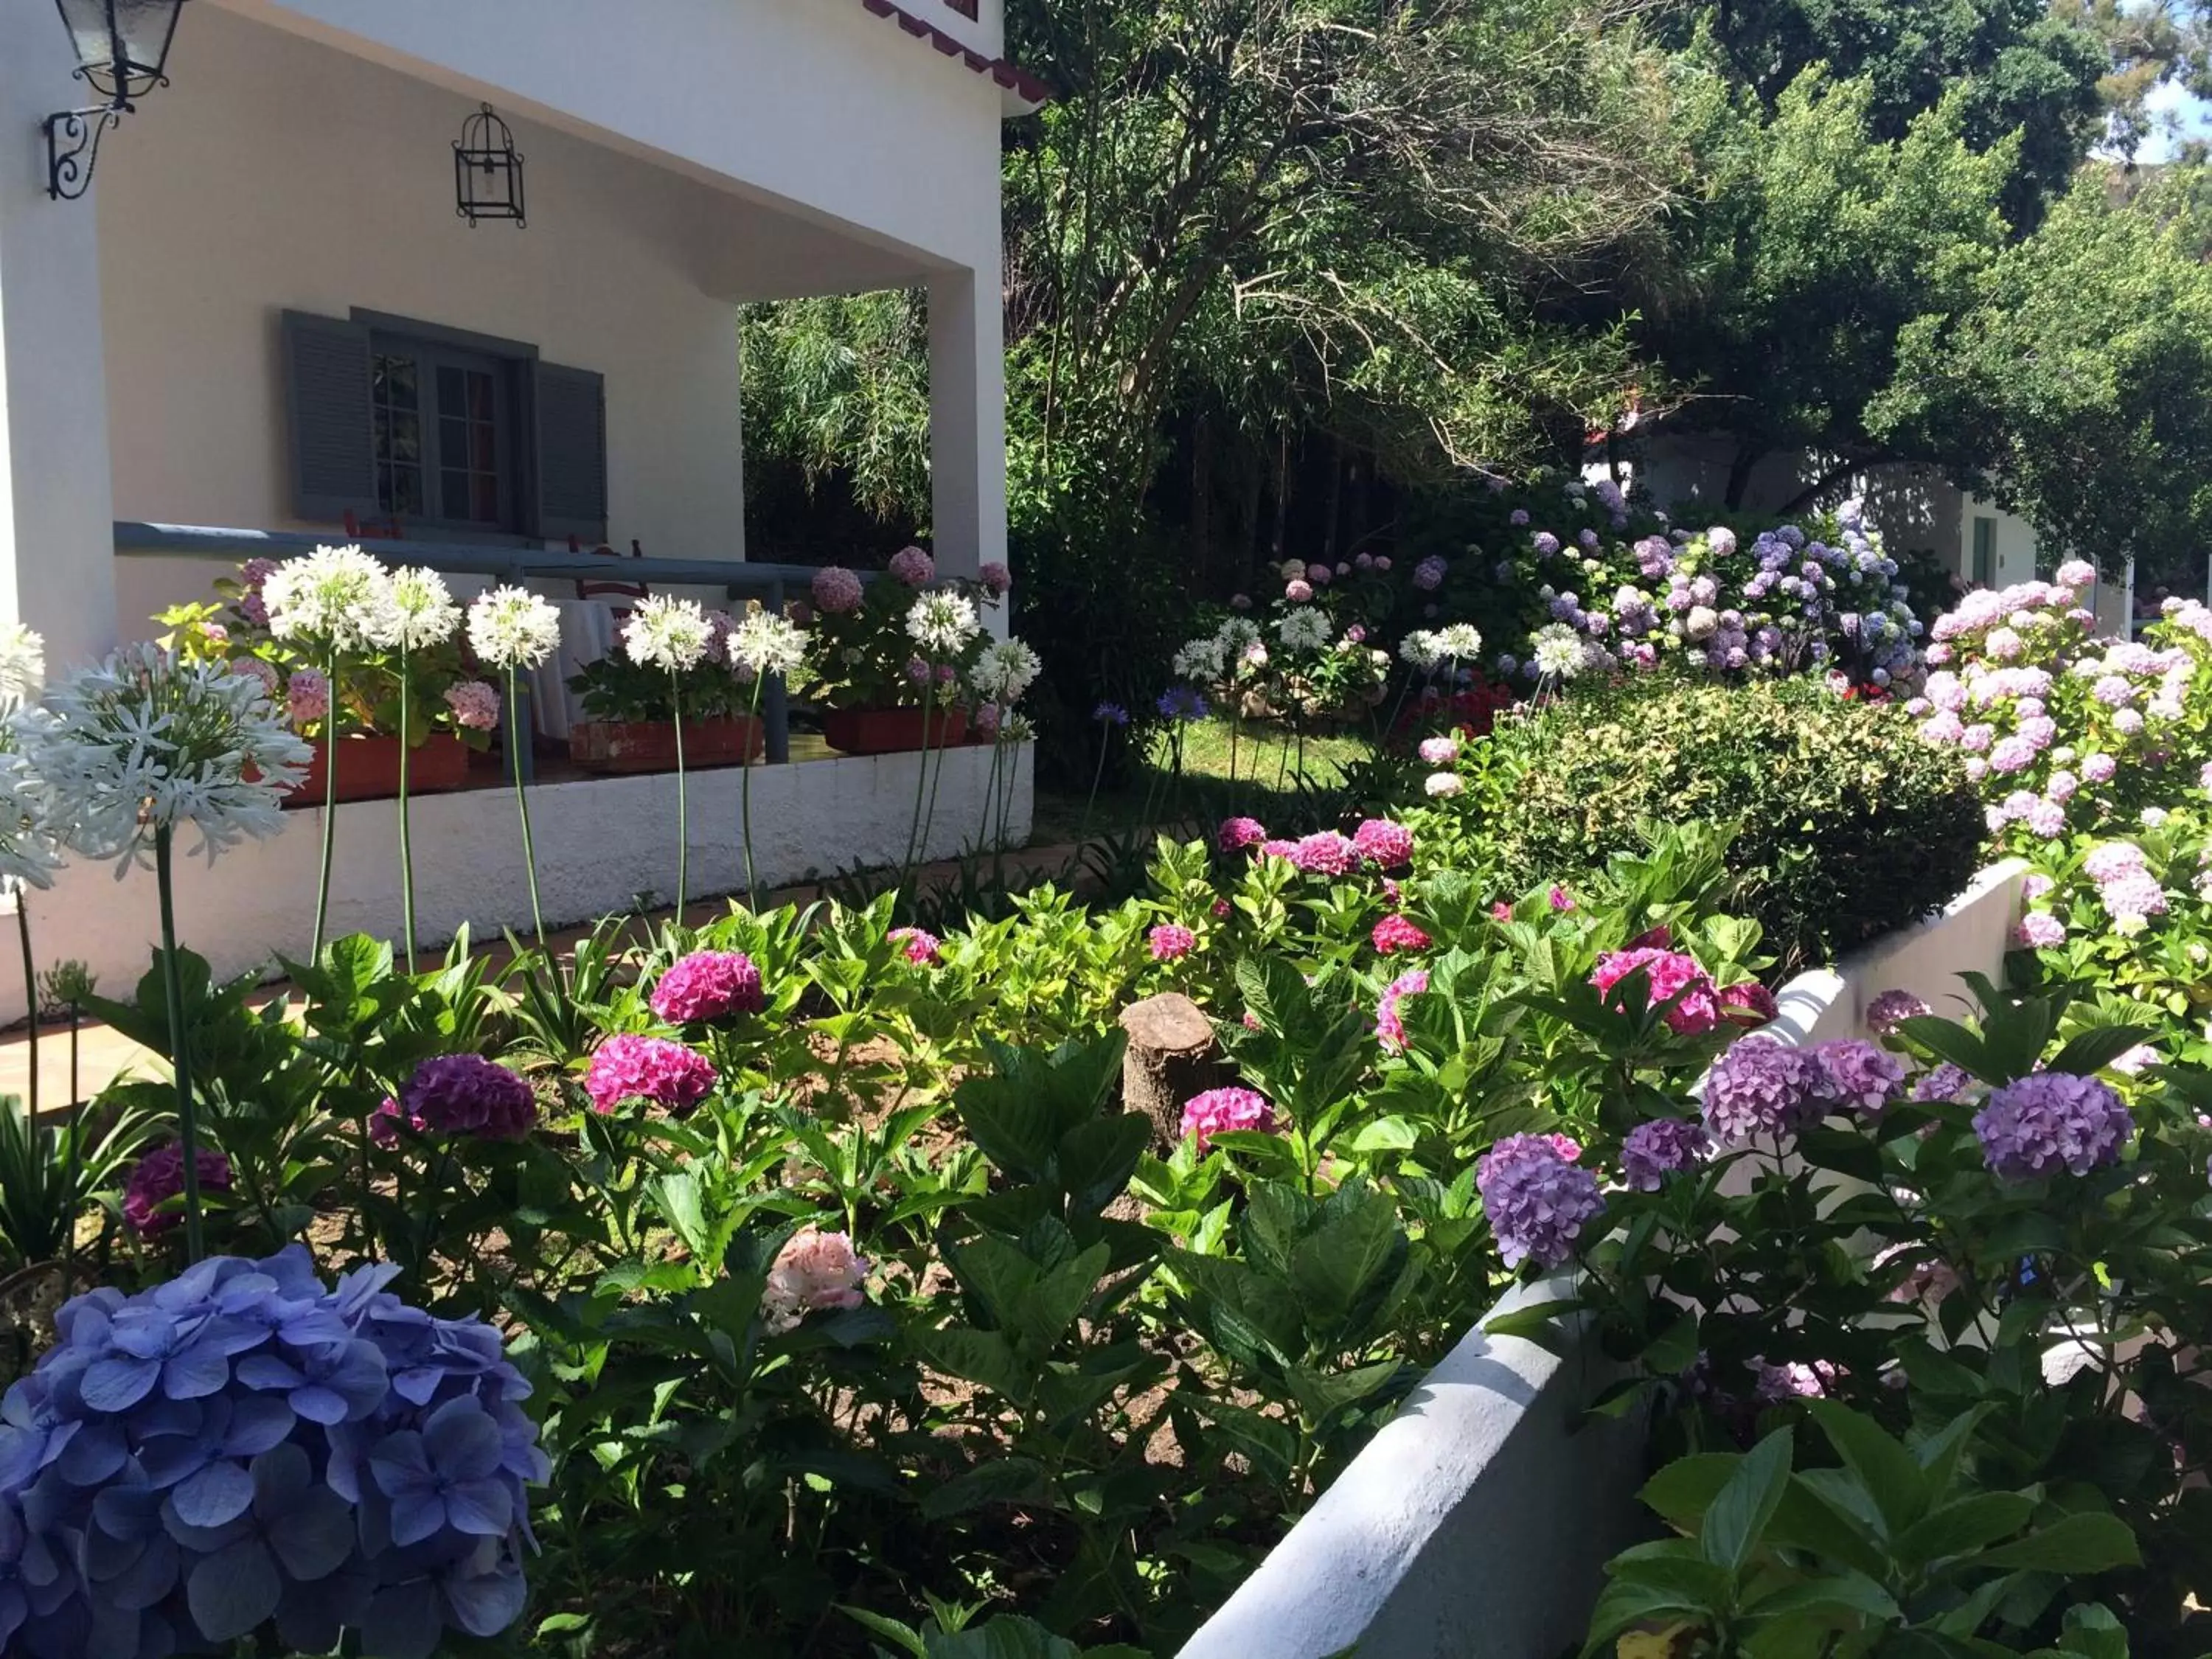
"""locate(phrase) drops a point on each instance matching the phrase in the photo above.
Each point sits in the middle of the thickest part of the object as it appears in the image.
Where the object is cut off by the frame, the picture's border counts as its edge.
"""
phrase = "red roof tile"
(1023, 86)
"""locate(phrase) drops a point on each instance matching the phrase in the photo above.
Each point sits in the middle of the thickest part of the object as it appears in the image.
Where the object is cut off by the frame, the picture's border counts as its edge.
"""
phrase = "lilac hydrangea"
(1537, 1201)
(1888, 1011)
(1654, 1150)
(1763, 1089)
(242, 1453)
(2049, 1120)
(1859, 1076)
(1941, 1084)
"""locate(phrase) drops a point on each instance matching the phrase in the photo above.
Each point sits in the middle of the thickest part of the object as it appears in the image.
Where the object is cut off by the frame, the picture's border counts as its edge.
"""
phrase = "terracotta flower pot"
(369, 769)
(650, 745)
(890, 731)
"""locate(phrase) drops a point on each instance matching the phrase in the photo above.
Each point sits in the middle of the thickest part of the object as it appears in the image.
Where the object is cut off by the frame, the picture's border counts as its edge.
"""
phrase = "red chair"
(592, 589)
(375, 529)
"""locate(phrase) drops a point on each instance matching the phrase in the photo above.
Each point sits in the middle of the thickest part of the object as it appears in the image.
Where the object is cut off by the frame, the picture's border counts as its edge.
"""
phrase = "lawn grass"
(1268, 760)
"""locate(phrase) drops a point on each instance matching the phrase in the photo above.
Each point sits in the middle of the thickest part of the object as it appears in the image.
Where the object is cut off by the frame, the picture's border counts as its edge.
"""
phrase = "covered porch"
(267, 323)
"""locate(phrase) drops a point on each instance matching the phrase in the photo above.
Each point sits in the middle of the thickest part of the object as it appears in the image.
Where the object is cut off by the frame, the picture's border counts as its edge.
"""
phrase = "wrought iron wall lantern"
(122, 49)
(487, 171)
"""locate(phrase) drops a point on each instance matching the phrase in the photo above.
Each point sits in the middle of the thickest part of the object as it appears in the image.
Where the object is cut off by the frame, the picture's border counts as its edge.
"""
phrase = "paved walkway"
(105, 1054)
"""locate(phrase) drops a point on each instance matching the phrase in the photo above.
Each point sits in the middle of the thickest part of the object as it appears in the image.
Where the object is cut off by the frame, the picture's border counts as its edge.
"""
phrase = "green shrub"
(1849, 826)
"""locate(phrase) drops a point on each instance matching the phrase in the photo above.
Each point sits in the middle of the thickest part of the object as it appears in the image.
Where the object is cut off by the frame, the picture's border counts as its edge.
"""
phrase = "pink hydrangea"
(2099, 768)
(708, 984)
(1670, 974)
(307, 695)
(1394, 934)
(1276, 848)
(475, 705)
(2113, 860)
(912, 567)
(1170, 942)
(2040, 930)
(1326, 853)
(1237, 834)
(1299, 591)
(159, 1176)
(1224, 1111)
(1560, 899)
(1439, 751)
(837, 590)
(997, 579)
(252, 668)
(920, 948)
(629, 1067)
(1385, 845)
(1390, 1024)
(815, 1272)
(1749, 1005)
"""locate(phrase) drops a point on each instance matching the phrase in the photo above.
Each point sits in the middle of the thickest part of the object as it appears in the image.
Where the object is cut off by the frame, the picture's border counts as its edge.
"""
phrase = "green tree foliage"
(2078, 380)
(1816, 244)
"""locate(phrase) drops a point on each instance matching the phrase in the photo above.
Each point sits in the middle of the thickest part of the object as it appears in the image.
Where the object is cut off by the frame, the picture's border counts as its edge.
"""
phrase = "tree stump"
(1172, 1055)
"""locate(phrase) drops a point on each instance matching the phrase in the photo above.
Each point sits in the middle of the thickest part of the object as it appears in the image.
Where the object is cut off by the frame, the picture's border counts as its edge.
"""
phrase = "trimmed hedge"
(1848, 825)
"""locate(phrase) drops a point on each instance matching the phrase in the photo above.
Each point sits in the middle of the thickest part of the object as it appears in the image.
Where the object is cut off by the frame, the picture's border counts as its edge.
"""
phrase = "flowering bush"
(907, 636)
(241, 1453)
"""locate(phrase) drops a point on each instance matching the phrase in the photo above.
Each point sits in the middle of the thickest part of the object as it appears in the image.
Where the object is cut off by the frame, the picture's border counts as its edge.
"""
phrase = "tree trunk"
(1739, 480)
(1282, 496)
(1172, 1056)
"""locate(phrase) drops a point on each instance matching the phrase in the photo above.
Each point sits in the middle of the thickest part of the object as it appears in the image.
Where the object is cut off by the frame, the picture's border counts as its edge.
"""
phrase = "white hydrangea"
(942, 624)
(763, 643)
(1007, 670)
(146, 741)
(668, 634)
(417, 611)
(1558, 650)
(1304, 630)
(23, 666)
(1461, 641)
(512, 628)
(332, 598)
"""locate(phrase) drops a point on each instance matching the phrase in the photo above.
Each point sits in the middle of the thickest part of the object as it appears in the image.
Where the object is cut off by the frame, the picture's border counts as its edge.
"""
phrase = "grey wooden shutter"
(326, 405)
(569, 417)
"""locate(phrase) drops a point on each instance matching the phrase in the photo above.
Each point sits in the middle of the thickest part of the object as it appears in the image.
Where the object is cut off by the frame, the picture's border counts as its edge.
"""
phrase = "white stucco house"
(266, 311)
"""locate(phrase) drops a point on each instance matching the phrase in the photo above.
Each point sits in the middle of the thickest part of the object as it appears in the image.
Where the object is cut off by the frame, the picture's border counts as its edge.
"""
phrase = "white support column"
(968, 420)
(57, 501)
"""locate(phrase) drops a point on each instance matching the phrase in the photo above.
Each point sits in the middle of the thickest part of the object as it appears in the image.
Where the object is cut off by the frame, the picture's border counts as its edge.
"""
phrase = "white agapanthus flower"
(23, 666)
(331, 598)
(1304, 630)
(942, 624)
(146, 741)
(29, 852)
(1016, 728)
(763, 643)
(1461, 641)
(416, 613)
(1007, 669)
(1558, 651)
(668, 632)
(1420, 649)
(512, 628)
(1236, 636)
(1200, 661)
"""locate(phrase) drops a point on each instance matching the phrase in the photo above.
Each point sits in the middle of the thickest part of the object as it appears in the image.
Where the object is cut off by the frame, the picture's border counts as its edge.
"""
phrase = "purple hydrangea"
(1891, 1009)
(1941, 1084)
(159, 1176)
(1761, 1088)
(2049, 1120)
(1666, 1146)
(1537, 1201)
(243, 1453)
(1859, 1076)
(468, 1095)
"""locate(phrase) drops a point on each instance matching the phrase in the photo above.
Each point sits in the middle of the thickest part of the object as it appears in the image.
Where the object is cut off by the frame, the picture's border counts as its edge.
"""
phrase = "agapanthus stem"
(330, 800)
(745, 795)
(1098, 778)
(188, 1122)
(406, 852)
(922, 777)
(936, 777)
(682, 802)
(514, 741)
(30, 985)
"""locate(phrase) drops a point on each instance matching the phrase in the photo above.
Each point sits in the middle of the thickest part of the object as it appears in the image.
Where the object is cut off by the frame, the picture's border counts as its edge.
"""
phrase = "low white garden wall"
(599, 843)
(1478, 1521)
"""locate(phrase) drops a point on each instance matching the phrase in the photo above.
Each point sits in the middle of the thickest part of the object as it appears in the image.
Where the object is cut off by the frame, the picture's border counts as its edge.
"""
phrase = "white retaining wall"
(598, 843)
(1478, 1521)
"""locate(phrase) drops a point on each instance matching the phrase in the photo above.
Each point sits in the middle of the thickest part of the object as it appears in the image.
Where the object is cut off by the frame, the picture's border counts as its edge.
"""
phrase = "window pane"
(394, 379)
(456, 494)
(487, 498)
(453, 441)
(483, 451)
(407, 438)
(406, 494)
(450, 399)
(480, 401)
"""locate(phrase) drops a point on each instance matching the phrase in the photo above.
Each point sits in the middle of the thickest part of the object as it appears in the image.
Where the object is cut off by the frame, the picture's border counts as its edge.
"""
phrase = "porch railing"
(768, 583)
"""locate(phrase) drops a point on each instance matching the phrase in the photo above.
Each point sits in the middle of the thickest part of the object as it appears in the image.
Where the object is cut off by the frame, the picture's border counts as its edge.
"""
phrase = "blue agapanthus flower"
(1181, 703)
(244, 1451)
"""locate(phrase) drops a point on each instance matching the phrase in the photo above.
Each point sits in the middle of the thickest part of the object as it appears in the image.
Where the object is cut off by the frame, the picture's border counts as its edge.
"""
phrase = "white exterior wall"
(1478, 1521)
(599, 844)
(2014, 543)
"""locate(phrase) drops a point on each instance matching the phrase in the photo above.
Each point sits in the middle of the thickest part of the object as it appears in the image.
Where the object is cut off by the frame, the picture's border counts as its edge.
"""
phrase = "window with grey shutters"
(441, 430)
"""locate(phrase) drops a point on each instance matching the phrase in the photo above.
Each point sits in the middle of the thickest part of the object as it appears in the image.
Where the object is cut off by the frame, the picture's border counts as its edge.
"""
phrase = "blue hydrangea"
(244, 1452)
